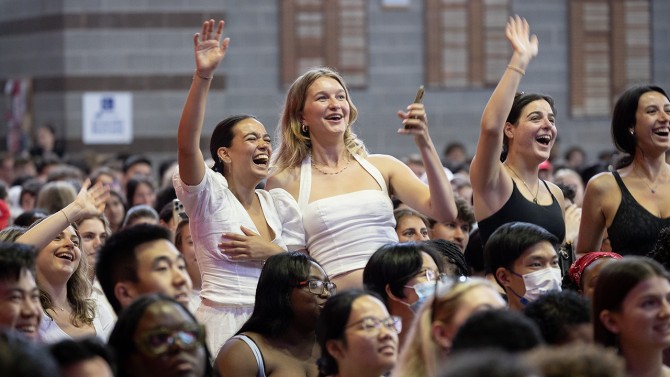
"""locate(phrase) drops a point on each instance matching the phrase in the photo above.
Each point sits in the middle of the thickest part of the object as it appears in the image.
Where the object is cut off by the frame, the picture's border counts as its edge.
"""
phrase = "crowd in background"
(520, 259)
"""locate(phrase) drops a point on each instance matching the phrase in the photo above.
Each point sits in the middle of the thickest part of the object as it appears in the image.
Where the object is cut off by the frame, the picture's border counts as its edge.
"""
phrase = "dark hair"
(332, 323)
(474, 252)
(521, 100)
(135, 159)
(121, 339)
(556, 312)
(164, 196)
(615, 281)
(20, 357)
(489, 363)
(623, 120)
(510, 241)
(465, 211)
(134, 183)
(69, 351)
(27, 218)
(273, 313)
(14, 258)
(223, 135)
(394, 264)
(455, 264)
(116, 260)
(498, 329)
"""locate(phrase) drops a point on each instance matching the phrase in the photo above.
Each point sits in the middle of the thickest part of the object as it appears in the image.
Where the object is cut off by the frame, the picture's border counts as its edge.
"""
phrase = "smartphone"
(178, 213)
(419, 95)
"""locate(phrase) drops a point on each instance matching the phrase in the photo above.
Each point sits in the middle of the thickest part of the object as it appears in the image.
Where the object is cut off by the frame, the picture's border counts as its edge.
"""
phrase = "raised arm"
(209, 51)
(88, 203)
(486, 168)
(436, 200)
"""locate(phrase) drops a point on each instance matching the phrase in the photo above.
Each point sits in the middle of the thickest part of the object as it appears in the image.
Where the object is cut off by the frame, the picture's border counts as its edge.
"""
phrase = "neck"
(329, 155)
(298, 339)
(244, 191)
(529, 172)
(641, 362)
(649, 166)
(58, 296)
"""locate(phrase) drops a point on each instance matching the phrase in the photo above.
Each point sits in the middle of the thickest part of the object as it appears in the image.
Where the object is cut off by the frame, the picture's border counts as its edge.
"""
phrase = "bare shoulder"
(602, 183)
(287, 179)
(384, 161)
(236, 359)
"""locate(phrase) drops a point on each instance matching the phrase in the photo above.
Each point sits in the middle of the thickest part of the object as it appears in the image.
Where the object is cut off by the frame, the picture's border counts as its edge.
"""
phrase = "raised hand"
(414, 120)
(518, 33)
(91, 201)
(247, 246)
(209, 50)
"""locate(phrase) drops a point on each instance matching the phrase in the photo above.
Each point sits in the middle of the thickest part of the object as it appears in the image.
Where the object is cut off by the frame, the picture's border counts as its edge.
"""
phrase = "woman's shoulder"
(602, 182)
(282, 178)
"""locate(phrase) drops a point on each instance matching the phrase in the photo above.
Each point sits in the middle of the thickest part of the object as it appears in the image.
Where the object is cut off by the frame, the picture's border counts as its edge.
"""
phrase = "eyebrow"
(160, 259)
(538, 112)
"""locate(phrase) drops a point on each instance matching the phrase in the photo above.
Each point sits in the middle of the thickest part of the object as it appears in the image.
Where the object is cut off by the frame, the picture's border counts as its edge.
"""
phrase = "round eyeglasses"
(319, 287)
(373, 326)
(158, 341)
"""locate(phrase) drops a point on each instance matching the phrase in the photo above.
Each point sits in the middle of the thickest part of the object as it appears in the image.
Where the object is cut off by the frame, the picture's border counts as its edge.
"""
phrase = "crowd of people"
(327, 260)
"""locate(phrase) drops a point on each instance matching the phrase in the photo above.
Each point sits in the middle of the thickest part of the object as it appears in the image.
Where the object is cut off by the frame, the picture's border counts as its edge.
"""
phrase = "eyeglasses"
(157, 342)
(373, 326)
(319, 287)
(429, 274)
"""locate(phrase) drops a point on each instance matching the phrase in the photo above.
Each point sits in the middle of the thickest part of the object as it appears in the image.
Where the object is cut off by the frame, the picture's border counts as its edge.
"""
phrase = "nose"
(179, 277)
(458, 234)
(31, 308)
(665, 309)
(333, 102)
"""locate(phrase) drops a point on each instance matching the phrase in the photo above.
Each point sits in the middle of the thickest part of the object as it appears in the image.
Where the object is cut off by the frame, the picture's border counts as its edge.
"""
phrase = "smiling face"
(326, 109)
(307, 305)
(643, 322)
(177, 359)
(59, 260)
(93, 235)
(114, 210)
(373, 351)
(160, 268)
(535, 131)
(652, 118)
(249, 151)
(411, 228)
(20, 306)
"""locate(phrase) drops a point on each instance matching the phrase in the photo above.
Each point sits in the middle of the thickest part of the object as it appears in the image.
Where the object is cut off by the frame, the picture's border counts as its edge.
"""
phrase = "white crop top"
(343, 231)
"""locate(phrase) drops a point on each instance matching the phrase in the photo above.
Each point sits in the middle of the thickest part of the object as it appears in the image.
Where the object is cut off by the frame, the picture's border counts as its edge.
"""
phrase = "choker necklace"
(331, 173)
(524, 183)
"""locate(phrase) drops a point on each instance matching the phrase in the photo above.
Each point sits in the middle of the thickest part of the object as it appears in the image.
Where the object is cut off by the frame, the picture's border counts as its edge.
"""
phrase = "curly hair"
(294, 144)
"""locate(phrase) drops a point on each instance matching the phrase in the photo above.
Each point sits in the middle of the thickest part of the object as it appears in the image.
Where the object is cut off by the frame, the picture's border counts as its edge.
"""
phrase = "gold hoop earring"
(304, 128)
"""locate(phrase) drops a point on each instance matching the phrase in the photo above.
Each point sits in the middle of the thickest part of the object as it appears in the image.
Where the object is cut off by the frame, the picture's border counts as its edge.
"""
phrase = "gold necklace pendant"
(537, 191)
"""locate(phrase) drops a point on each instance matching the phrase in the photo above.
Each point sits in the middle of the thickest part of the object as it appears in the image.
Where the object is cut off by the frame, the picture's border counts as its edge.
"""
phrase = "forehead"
(367, 306)
(324, 84)
(26, 281)
(91, 225)
(163, 314)
(541, 250)
(411, 221)
(652, 98)
(483, 296)
(249, 125)
(539, 105)
(654, 285)
(149, 251)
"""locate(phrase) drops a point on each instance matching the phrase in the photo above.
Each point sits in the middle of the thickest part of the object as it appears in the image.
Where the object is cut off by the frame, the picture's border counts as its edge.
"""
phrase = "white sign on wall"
(107, 117)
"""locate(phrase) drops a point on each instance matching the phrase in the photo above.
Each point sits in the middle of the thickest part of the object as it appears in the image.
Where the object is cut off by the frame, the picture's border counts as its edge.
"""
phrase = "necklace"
(331, 173)
(537, 191)
(652, 189)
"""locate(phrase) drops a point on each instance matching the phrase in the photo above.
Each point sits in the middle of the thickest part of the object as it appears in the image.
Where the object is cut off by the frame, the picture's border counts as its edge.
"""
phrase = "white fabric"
(194, 300)
(49, 332)
(213, 210)
(222, 322)
(343, 231)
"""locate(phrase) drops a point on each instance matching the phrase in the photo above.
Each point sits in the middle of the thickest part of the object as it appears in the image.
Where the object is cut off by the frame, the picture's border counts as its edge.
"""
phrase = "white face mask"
(540, 282)
(424, 291)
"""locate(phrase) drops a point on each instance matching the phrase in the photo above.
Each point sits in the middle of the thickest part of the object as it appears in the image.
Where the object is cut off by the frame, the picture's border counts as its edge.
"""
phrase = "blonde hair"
(294, 144)
(421, 355)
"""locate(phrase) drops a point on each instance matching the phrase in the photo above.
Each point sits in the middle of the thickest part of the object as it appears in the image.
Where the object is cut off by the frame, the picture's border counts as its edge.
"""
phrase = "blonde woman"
(429, 339)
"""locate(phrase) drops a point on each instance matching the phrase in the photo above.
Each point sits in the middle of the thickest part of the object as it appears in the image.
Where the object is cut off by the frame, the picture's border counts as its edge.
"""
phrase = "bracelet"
(517, 69)
(196, 73)
(66, 218)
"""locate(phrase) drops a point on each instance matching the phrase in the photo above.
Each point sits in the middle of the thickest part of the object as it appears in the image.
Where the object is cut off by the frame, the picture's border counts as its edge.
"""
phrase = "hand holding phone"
(419, 95)
(178, 213)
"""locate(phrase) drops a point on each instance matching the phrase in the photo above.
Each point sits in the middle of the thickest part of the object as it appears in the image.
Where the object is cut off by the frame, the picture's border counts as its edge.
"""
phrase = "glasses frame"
(394, 321)
(325, 286)
(143, 342)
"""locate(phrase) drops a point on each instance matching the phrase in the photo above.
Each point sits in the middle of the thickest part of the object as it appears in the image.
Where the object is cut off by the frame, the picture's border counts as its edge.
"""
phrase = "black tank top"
(519, 208)
(634, 230)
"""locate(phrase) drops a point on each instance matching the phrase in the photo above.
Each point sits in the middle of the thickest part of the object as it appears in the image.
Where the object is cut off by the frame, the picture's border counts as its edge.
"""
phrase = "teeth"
(67, 256)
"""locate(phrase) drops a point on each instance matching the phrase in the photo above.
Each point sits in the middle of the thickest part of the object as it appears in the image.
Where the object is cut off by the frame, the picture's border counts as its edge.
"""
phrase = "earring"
(304, 128)
(632, 132)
